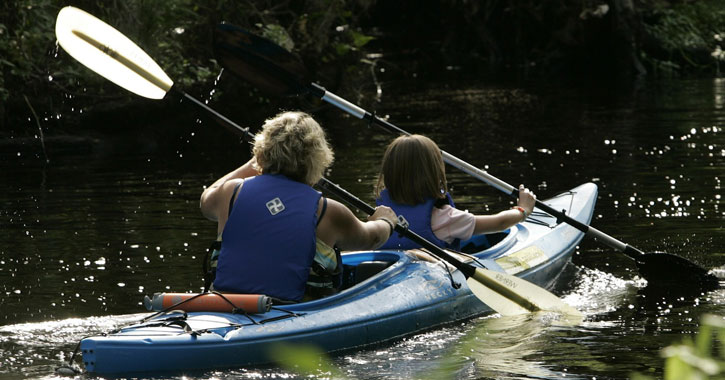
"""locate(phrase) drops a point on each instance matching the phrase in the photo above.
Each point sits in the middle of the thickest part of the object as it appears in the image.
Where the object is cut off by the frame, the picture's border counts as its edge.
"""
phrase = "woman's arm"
(214, 202)
(340, 227)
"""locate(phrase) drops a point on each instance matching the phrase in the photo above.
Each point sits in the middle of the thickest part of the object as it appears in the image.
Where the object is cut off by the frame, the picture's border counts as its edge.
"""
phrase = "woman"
(412, 181)
(278, 234)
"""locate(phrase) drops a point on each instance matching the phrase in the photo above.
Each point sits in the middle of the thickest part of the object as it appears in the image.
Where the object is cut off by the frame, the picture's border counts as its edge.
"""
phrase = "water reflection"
(597, 292)
(36, 349)
(718, 90)
(509, 347)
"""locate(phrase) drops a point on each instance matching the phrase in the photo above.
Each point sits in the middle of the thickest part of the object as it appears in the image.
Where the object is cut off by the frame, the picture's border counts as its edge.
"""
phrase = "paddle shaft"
(482, 175)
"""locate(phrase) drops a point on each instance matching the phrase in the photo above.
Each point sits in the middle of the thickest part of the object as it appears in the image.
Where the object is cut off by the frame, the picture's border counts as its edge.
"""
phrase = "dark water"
(85, 236)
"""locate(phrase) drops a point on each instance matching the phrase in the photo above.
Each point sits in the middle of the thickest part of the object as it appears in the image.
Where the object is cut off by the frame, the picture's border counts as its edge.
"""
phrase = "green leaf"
(305, 359)
(342, 49)
(6, 63)
(278, 35)
(359, 39)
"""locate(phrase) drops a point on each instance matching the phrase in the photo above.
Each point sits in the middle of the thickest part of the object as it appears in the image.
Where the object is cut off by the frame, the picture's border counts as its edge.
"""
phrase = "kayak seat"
(367, 269)
(476, 243)
(482, 242)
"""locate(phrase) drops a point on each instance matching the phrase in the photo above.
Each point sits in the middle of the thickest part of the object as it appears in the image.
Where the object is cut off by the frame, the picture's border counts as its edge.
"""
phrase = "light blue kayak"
(388, 295)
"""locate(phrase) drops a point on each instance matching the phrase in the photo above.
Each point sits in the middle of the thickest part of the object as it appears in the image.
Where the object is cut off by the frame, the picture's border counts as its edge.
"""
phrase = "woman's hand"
(386, 214)
(342, 228)
(214, 201)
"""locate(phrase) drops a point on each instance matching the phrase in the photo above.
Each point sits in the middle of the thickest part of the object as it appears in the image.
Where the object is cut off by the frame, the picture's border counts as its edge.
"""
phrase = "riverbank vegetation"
(612, 39)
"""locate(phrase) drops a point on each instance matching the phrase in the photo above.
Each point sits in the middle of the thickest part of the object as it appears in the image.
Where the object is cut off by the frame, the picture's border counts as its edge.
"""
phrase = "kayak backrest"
(367, 269)
(482, 242)
(359, 266)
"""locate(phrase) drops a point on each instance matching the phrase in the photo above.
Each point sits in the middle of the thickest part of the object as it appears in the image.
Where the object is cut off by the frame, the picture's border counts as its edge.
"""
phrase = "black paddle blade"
(668, 270)
(259, 61)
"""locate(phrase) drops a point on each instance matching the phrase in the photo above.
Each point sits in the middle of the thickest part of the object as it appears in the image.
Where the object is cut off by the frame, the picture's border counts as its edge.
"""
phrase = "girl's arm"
(508, 218)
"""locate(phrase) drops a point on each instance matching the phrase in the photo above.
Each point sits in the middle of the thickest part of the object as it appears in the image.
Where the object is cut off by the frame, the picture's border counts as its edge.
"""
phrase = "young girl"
(412, 182)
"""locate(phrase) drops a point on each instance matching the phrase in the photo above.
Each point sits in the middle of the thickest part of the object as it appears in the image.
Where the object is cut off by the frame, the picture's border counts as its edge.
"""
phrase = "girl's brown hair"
(412, 170)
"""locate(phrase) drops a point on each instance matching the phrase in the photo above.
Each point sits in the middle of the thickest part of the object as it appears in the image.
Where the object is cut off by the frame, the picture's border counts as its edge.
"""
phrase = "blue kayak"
(387, 295)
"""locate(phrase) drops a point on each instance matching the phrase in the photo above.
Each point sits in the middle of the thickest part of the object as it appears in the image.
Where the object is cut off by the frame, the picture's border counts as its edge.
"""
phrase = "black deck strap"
(454, 284)
(473, 258)
(563, 211)
(183, 324)
(178, 314)
(285, 310)
(279, 301)
(171, 310)
(175, 321)
(532, 218)
(280, 317)
(571, 194)
(235, 309)
(559, 220)
(171, 320)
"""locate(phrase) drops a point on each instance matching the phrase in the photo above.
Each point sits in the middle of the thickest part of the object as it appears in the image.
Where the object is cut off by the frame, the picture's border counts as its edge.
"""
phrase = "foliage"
(26, 38)
(701, 358)
(307, 360)
(684, 36)
(175, 33)
(333, 36)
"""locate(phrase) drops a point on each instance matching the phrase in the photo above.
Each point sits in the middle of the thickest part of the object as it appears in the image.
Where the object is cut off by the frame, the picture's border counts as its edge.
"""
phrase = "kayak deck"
(386, 295)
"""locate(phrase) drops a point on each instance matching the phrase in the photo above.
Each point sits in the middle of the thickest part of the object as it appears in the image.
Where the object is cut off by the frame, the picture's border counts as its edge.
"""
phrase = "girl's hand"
(527, 199)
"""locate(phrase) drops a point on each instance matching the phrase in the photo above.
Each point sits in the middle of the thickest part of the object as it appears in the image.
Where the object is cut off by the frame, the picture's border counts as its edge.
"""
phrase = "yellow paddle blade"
(109, 53)
(510, 295)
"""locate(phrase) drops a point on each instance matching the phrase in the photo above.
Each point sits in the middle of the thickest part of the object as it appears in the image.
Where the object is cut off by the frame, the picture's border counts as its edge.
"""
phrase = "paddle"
(273, 69)
(109, 53)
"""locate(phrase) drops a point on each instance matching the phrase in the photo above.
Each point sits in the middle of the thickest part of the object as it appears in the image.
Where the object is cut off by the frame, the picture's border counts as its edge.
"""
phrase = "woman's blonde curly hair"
(293, 144)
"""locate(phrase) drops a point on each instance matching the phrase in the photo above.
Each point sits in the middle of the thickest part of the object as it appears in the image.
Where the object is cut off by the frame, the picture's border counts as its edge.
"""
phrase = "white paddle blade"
(510, 295)
(109, 53)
